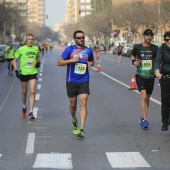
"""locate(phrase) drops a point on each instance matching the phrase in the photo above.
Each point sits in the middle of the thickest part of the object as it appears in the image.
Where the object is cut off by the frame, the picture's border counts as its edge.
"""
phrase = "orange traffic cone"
(98, 66)
(133, 84)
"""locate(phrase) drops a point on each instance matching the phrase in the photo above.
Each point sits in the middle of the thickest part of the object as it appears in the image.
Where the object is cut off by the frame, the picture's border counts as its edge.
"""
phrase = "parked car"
(2, 54)
(125, 49)
(16, 45)
(130, 49)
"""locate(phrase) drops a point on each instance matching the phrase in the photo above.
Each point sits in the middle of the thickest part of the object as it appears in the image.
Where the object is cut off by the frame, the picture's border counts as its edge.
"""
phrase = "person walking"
(78, 59)
(119, 52)
(10, 52)
(143, 57)
(162, 72)
(29, 62)
(97, 50)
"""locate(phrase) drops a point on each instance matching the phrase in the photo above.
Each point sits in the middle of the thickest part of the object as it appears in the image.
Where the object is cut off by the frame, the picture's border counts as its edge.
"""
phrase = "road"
(113, 138)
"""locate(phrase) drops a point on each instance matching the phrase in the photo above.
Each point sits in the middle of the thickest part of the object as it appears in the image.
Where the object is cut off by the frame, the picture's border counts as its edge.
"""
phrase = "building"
(36, 12)
(76, 9)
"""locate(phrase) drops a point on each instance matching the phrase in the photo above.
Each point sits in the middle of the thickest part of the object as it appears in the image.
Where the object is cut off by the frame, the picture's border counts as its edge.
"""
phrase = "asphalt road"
(113, 138)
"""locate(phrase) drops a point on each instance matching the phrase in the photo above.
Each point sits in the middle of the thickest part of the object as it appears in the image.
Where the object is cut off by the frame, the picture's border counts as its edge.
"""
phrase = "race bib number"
(30, 63)
(80, 68)
(146, 64)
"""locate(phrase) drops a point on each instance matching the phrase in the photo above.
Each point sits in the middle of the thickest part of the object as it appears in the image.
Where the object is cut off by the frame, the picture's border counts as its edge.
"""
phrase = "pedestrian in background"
(162, 72)
(10, 52)
(143, 57)
(78, 59)
(29, 62)
(97, 50)
(119, 52)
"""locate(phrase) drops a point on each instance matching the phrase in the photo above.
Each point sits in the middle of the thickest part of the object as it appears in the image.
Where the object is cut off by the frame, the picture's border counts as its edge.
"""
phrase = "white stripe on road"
(37, 97)
(152, 99)
(40, 74)
(40, 79)
(35, 111)
(30, 143)
(126, 160)
(7, 95)
(53, 160)
(39, 86)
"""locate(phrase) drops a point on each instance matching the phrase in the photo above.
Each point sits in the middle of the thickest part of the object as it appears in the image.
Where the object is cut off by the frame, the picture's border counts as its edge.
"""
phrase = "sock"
(24, 106)
(31, 111)
(75, 120)
(82, 127)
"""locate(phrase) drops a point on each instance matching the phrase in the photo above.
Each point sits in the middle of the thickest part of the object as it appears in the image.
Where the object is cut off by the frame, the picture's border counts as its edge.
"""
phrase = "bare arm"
(62, 62)
(15, 63)
(91, 63)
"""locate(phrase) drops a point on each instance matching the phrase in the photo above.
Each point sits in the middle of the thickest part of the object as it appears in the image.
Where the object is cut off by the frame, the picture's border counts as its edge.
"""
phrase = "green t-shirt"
(10, 52)
(28, 59)
(146, 57)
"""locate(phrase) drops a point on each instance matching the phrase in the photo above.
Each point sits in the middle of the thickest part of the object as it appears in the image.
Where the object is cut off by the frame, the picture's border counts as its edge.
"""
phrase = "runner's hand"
(18, 74)
(37, 65)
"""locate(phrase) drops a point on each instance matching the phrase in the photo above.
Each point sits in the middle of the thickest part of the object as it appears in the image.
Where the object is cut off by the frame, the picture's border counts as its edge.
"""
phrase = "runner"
(29, 62)
(78, 59)
(10, 52)
(143, 57)
(97, 50)
(119, 52)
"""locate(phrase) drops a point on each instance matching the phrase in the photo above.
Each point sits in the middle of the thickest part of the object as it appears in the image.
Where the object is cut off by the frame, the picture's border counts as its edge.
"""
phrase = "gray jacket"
(162, 61)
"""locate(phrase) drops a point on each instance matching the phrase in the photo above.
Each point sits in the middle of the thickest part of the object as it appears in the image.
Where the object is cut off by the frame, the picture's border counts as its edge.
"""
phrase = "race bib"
(30, 63)
(80, 68)
(146, 64)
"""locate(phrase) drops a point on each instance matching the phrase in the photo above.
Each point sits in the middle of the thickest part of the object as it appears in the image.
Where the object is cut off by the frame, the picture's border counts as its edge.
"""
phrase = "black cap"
(148, 32)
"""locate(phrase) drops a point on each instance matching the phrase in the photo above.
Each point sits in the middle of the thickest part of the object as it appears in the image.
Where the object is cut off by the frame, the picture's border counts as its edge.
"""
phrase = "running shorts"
(26, 78)
(74, 89)
(145, 84)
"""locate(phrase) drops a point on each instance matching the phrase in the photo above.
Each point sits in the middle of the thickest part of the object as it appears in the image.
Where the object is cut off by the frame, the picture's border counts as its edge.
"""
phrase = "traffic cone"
(133, 84)
(98, 66)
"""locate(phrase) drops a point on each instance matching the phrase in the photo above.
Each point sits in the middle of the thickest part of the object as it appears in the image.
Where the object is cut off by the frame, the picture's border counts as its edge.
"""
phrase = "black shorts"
(74, 89)
(145, 83)
(9, 59)
(25, 78)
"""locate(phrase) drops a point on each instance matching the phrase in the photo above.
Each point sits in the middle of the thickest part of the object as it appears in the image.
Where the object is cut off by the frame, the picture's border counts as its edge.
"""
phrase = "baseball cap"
(148, 31)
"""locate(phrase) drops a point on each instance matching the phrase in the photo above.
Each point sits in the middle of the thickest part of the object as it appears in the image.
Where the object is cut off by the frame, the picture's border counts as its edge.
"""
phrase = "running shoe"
(81, 133)
(75, 128)
(165, 126)
(145, 124)
(140, 120)
(31, 116)
(24, 114)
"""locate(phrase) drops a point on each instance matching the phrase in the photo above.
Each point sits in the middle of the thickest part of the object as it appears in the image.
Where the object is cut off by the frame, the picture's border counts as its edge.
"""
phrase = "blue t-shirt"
(77, 72)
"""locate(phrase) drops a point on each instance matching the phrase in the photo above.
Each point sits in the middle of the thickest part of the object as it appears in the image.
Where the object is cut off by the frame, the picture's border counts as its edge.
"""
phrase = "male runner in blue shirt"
(78, 59)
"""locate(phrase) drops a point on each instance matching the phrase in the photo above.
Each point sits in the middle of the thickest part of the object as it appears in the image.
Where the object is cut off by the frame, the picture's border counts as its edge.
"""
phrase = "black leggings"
(165, 98)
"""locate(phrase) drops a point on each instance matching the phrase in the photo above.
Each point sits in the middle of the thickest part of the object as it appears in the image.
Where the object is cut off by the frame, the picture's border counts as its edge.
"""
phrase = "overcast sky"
(55, 9)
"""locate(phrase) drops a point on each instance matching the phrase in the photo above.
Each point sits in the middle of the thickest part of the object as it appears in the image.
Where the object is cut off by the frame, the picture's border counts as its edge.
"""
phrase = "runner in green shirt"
(29, 62)
(10, 52)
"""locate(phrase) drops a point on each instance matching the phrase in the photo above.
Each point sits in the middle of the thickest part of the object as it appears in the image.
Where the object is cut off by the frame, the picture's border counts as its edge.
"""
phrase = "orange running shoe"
(24, 114)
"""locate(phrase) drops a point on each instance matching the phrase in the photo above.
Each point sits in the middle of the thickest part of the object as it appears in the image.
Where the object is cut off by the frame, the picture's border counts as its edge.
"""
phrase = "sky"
(55, 9)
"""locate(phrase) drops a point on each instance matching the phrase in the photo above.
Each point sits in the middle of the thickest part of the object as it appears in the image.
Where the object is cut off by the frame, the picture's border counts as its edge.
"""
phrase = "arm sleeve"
(134, 53)
(158, 59)
(91, 58)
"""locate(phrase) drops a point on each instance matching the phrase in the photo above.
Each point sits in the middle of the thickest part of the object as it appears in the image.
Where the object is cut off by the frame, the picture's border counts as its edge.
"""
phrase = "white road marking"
(39, 86)
(40, 74)
(37, 97)
(7, 95)
(152, 99)
(53, 160)
(35, 111)
(30, 143)
(40, 79)
(126, 160)
(41, 70)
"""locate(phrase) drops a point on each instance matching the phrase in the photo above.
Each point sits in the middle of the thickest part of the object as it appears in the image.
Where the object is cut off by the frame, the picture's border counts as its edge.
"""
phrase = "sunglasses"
(167, 40)
(79, 38)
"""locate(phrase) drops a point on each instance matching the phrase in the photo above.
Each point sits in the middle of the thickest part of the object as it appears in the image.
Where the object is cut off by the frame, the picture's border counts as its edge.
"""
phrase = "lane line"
(39, 86)
(123, 84)
(40, 79)
(37, 97)
(7, 95)
(30, 143)
(35, 111)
